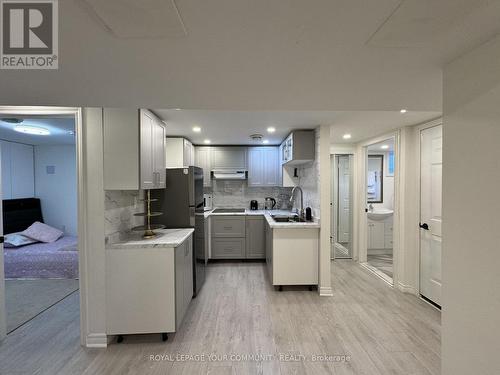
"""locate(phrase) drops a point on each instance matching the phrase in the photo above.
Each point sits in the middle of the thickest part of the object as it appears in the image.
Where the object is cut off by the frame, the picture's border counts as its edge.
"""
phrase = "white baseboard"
(407, 289)
(326, 291)
(96, 340)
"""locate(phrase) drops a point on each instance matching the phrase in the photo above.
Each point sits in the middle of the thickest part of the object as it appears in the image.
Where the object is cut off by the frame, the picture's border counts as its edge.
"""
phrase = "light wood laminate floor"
(381, 330)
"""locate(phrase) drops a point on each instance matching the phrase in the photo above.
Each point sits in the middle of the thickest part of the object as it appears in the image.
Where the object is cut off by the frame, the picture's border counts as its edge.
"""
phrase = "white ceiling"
(377, 147)
(235, 127)
(365, 125)
(59, 128)
(336, 55)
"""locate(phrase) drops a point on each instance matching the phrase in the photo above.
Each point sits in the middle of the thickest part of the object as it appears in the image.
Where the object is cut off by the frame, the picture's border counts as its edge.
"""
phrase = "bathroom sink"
(380, 214)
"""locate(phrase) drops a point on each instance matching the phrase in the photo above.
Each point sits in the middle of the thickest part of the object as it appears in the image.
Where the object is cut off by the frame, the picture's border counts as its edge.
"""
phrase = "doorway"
(40, 166)
(431, 166)
(342, 213)
(380, 189)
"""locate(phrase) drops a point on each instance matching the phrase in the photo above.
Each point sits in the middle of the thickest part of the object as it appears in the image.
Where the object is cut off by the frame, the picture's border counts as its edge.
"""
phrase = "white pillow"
(17, 240)
(42, 232)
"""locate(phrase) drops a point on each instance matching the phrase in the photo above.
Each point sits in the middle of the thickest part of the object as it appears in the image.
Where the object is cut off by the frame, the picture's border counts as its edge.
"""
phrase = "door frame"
(82, 212)
(419, 129)
(361, 217)
(334, 199)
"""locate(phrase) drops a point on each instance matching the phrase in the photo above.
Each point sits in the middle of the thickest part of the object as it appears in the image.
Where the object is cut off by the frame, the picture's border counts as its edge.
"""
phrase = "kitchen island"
(149, 283)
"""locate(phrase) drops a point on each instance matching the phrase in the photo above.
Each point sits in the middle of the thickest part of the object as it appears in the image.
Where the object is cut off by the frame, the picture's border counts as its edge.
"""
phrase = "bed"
(56, 260)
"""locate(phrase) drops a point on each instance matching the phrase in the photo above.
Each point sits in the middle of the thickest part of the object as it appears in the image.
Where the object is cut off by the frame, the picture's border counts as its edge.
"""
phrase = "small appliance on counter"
(270, 203)
(254, 205)
(207, 202)
(309, 216)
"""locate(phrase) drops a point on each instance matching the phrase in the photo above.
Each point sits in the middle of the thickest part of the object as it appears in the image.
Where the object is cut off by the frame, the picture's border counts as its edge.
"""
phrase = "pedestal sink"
(380, 214)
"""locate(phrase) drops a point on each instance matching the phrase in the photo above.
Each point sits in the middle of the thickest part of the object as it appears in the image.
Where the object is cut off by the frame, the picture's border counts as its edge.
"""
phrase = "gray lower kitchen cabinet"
(228, 237)
(228, 248)
(228, 226)
(255, 237)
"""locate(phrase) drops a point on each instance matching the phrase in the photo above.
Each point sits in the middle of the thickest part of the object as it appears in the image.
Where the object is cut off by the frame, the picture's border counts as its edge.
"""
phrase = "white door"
(344, 219)
(431, 166)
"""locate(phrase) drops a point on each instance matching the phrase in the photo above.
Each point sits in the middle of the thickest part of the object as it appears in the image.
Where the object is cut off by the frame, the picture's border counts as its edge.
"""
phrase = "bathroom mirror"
(375, 179)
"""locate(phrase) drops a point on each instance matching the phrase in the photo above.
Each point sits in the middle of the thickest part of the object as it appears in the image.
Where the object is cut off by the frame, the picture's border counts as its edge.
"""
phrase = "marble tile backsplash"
(239, 194)
(309, 181)
(119, 210)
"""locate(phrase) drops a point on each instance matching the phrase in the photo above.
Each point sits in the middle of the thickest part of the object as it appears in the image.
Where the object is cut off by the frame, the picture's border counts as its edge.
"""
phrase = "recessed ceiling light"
(271, 129)
(34, 130)
(177, 109)
(384, 147)
(196, 129)
(346, 136)
(206, 141)
(265, 141)
(403, 110)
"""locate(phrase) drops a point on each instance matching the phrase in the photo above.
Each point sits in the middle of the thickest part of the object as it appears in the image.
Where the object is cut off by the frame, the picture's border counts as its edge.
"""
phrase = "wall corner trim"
(96, 340)
(407, 289)
(326, 291)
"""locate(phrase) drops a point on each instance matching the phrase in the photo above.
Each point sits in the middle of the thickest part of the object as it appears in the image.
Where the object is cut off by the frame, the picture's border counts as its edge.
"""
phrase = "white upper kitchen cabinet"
(229, 158)
(263, 166)
(204, 160)
(134, 150)
(298, 147)
(179, 153)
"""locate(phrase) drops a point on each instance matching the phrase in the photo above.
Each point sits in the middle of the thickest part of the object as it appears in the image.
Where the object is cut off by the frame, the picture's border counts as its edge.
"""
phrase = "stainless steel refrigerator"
(182, 205)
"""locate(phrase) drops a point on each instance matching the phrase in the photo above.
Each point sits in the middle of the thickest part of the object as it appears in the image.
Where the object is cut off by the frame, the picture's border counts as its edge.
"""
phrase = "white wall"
(471, 219)
(58, 191)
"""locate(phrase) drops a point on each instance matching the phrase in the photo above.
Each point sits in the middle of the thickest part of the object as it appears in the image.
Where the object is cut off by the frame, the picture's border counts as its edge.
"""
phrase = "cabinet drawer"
(228, 248)
(228, 226)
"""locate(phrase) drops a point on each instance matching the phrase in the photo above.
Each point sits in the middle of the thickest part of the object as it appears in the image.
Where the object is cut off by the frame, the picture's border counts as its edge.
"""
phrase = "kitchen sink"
(229, 211)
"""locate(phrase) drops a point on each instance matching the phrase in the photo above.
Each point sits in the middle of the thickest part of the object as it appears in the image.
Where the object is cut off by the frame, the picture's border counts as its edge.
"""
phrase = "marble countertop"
(267, 214)
(164, 238)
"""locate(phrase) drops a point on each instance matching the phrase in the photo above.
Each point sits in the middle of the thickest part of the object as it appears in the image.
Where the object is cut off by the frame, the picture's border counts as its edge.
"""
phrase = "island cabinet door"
(269, 251)
(183, 279)
(179, 284)
(255, 239)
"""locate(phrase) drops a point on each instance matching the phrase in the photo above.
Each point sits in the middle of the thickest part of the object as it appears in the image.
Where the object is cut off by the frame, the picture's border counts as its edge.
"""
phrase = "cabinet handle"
(228, 227)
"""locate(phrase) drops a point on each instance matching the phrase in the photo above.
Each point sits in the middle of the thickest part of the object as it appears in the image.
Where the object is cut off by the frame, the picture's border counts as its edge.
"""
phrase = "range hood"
(229, 174)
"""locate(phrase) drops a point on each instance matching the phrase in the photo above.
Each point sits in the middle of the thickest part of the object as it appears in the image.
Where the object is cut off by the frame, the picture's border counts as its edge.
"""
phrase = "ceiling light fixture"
(206, 141)
(33, 130)
(403, 110)
(265, 141)
(196, 129)
(177, 109)
(346, 136)
(271, 129)
(384, 147)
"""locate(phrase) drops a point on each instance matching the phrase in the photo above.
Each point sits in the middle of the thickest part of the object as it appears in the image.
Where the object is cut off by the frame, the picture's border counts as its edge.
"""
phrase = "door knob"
(424, 226)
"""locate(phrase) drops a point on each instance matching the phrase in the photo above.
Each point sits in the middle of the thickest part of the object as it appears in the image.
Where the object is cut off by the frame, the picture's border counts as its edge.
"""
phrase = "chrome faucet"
(370, 207)
(301, 212)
